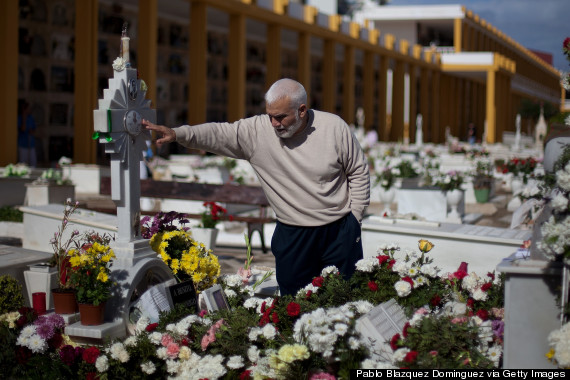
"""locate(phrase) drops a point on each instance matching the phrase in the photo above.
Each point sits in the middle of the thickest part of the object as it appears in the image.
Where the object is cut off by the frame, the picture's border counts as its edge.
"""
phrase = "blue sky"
(536, 24)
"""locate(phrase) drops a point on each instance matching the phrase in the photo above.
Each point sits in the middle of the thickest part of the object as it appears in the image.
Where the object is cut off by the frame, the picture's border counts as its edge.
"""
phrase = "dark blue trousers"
(301, 253)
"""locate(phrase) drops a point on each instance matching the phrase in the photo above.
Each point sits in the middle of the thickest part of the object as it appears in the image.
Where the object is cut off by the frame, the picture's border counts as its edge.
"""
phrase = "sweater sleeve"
(235, 140)
(357, 173)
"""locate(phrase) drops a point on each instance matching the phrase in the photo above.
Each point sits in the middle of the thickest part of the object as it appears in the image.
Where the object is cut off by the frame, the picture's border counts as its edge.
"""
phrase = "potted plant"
(64, 294)
(90, 268)
(206, 232)
(387, 181)
(483, 180)
(452, 184)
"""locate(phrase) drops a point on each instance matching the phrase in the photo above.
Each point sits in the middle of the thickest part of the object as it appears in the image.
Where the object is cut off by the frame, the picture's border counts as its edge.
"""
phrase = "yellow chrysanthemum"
(102, 276)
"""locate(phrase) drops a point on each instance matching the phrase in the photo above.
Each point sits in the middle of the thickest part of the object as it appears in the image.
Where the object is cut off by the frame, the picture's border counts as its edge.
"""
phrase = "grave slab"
(483, 248)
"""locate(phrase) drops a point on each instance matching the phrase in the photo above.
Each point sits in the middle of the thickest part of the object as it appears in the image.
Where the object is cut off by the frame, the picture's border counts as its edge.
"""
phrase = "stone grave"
(533, 305)
(118, 125)
(483, 248)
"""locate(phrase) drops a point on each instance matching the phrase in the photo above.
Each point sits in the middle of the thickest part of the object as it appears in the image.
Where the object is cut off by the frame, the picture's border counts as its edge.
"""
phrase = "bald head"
(287, 89)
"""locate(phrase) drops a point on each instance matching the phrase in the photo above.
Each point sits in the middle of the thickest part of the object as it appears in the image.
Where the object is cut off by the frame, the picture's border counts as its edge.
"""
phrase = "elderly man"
(312, 171)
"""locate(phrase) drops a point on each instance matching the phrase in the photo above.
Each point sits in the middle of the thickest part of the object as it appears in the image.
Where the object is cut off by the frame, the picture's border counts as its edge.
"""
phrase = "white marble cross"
(118, 125)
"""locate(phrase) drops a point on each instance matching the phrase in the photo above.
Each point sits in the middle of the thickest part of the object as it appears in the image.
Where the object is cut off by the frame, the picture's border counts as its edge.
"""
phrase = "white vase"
(387, 197)
(453, 198)
(516, 185)
(205, 235)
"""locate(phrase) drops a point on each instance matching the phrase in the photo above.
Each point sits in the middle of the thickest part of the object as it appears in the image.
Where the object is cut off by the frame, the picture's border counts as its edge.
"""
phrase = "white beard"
(287, 132)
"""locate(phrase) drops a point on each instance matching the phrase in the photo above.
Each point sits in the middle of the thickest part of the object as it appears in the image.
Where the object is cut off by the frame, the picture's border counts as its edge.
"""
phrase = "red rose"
(391, 263)
(382, 259)
(492, 275)
(275, 318)
(318, 281)
(409, 281)
(263, 306)
(411, 357)
(460, 274)
(483, 314)
(245, 375)
(486, 286)
(293, 309)
(372, 286)
(91, 376)
(435, 300)
(90, 355)
(470, 302)
(151, 327)
(309, 294)
(394, 342)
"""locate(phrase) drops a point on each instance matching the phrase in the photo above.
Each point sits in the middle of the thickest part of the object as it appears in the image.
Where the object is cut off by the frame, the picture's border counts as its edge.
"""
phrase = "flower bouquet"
(188, 259)
(452, 180)
(211, 216)
(91, 268)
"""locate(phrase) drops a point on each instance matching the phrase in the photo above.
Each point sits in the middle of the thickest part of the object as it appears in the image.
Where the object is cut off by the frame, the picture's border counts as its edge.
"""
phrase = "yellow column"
(85, 90)
(396, 133)
(329, 76)
(304, 62)
(348, 85)
(368, 89)
(147, 47)
(198, 63)
(273, 54)
(490, 112)
(457, 35)
(236, 68)
(9, 84)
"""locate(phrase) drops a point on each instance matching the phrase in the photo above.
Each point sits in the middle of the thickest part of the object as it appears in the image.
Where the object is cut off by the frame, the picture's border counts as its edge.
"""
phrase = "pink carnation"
(322, 376)
(172, 350)
(166, 340)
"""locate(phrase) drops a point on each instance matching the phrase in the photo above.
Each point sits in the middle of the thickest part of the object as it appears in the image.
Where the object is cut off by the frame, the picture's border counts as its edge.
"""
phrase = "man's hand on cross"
(167, 134)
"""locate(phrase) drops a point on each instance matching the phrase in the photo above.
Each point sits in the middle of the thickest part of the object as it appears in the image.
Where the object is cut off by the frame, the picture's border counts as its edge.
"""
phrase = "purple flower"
(45, 331)
(57, 320)
(498, 328)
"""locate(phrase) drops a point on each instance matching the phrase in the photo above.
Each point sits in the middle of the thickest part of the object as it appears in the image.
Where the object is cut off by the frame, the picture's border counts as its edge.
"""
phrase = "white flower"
(367, 264)
(250, 303)
(479, 295)
(232, 280)
(118, 352)
(340, 329)
(119, 64)
(269, 331)
(420, 280)
(172, 366)
(37, 344)
(254, 333)
(454, 309)
(230, 293)
(142, 323)
(171, 327)
(559, 203)
(148, 367)
(429, 270)
(235, 362)
(375, 364)
(331, 269)
(403, 288)
(400, 354)
(155, 338)
(253, 354)
(28, 331)
(354, 344)
(102, 363)
(494, 354)
(162, 353)
(131, 341)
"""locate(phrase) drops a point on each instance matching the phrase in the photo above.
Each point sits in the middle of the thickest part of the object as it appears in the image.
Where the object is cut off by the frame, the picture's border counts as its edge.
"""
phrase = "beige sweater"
(311, 179)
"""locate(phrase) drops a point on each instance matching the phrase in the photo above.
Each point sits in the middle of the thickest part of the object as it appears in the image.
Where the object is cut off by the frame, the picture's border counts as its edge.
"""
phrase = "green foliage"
(441, 343)
(531, 109)
(11, 297)
(11, 214)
